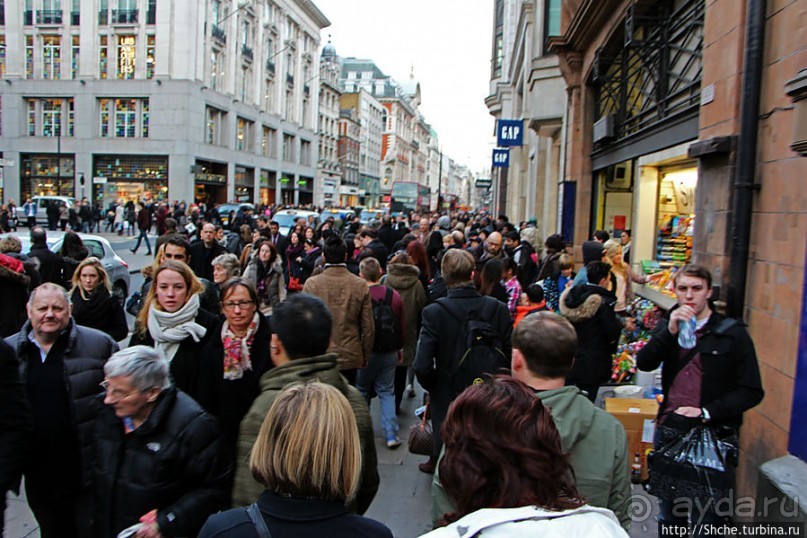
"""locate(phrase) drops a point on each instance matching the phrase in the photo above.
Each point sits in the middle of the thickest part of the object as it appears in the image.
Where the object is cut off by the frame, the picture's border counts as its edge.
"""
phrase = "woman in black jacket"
(93, 303)
(73, 252)
(156, 452)
(172, 321)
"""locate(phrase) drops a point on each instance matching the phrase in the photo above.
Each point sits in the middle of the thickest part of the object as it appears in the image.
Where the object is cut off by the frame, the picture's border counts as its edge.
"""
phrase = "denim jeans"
(143, 235)
(380, 373)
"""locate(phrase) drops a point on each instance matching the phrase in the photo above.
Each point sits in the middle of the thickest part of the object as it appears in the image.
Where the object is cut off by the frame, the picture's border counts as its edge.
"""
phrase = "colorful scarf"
(236, 349)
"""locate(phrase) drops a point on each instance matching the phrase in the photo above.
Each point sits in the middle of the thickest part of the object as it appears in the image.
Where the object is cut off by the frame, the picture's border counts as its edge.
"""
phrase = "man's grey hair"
(38, 235)
(229, 262)
(50, 286)
(146, 366)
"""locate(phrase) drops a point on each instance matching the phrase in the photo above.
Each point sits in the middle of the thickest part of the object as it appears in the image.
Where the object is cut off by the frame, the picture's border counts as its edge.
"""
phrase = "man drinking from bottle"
(711, 376)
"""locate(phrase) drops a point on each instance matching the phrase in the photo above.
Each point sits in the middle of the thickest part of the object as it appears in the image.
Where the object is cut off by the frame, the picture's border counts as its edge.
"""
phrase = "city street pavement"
(403, 502)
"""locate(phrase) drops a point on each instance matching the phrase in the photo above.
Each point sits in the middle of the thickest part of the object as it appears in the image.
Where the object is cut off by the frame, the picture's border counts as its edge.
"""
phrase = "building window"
(126, 57)
(103, 13)
(150, 51)
(551, 18)
(29, 56)
(216, 69)
(245, 83)
(124, 118)
(2, 13)
(269, 142)
(45, 117)
(75, 13)
(305, 152)
(215, 123)
(268, 96)
(243, 134)
(51, 12)
(498, 41)
(103, 57)
(151, 13)
(74, 56)
(290, 105)
(71, 118)
(288, 147)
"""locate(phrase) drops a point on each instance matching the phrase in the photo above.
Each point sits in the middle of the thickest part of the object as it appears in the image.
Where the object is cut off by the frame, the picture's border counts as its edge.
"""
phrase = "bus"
(410, 196)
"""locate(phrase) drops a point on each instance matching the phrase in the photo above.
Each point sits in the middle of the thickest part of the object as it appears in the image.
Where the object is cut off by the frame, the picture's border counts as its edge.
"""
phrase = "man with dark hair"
(144, 225)
(713, 377)
(590, 309)
(203, 252)
(521, 252)
(50, 263)
(443, 339)
(601, 235)
(592, 252)
(301, 334)
(544, 346)
(170, 231)
(348, 298)
(370, 240)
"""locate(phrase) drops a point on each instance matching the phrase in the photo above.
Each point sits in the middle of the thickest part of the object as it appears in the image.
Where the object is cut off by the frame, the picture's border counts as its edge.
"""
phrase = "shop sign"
(501, 158)
(99, 181)
(483, 183)
(126, 56)
(243, 198)
(211, 179)
(509, 133)
(284, 182)
(6, 162)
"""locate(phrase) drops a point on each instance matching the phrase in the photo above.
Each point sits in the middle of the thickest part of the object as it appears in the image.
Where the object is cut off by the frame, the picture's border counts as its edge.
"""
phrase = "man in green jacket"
(301, 332)
(544, 345)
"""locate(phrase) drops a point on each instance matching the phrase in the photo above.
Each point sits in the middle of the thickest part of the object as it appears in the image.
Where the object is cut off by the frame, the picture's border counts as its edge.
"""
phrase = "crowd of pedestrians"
(247, 375)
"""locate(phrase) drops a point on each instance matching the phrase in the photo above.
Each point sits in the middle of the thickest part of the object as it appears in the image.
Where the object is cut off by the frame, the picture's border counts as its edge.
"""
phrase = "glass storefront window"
(125, 118)
(52, 57)
(103, 56)
(29, 56)
(150, 52)
(47, 175)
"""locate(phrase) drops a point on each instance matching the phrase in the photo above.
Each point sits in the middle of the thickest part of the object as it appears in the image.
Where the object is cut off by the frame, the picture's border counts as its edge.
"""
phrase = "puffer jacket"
(273, 289)
(84, 356)
(590, 309)
(14, 285)
(405, 279)
(348, 298)
(169, 463)
(320, 368)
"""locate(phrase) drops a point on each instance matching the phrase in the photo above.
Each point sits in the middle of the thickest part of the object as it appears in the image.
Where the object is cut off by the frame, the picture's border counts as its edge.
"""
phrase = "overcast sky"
(447, 41)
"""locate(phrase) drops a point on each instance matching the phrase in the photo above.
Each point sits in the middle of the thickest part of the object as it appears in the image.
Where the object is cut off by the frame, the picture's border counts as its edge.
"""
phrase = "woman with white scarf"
(236, 357)
(172, 322)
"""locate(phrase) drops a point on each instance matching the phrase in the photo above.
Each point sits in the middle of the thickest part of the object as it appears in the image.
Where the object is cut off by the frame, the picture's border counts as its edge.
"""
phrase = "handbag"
(294, 284)
(420, 436)
(697, 463)
(134, 303)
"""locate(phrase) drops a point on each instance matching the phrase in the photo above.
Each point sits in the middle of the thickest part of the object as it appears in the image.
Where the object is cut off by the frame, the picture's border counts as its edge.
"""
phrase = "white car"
(286, 218)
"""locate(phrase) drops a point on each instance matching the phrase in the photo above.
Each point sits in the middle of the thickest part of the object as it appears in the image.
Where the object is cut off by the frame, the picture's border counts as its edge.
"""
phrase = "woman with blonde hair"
(93, 303)
(624, 275)
(308, 456)
(173, 322)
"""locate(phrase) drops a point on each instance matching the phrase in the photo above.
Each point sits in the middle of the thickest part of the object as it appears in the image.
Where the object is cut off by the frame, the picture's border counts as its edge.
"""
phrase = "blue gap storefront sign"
(501, 158)
(509, 133)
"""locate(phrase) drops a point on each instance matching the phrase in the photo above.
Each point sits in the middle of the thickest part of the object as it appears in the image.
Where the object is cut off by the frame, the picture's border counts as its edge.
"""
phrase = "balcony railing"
(49, 16)
(75, 18)
(270, 67)
(290, 79)
(218, 33)
(124, 16)
(246, 52)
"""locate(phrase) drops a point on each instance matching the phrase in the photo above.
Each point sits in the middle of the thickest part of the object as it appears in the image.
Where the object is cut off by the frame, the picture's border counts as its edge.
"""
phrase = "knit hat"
(444, 222)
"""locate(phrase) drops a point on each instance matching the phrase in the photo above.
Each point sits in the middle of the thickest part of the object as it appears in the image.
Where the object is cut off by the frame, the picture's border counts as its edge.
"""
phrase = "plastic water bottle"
(686, 334)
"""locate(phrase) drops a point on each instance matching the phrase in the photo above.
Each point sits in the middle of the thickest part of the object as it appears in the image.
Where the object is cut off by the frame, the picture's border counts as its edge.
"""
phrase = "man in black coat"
(441, 343)
(144, 225)
(715, 381)
(590, 309)
(61, 365)
(15, 425)
(371, 241)
(50, 264)
(204, 251)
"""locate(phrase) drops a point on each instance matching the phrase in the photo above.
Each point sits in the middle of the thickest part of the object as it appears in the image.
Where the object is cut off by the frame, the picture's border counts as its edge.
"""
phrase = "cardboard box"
(638, 417)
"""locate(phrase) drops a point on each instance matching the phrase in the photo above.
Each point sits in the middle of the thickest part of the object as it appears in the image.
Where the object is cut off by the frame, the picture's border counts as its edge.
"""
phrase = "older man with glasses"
(156, 452)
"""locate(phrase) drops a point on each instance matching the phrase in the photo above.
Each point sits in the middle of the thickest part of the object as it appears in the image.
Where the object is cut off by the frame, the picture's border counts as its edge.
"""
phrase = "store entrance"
(209, 194)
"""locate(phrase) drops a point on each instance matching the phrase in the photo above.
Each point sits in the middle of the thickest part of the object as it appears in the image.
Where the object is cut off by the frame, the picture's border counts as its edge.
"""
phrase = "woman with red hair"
(506, 472)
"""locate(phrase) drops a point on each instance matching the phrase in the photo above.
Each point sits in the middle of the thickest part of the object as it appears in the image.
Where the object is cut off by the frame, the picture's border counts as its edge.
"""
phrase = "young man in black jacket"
(590, 308)
(715, 381)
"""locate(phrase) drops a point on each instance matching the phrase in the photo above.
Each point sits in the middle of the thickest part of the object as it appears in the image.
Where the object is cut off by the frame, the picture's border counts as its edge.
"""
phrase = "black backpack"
(386, 326)
(479, 348)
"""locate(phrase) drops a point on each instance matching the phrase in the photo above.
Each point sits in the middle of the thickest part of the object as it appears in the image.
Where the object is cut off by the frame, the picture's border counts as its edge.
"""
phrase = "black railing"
(246, 52)
(218, 33)
(75, 18)
(270, 66)
(124, 16)
(290, 79)
(28, 17)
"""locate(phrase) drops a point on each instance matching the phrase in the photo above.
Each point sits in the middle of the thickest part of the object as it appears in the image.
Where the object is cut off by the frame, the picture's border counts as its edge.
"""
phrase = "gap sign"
(509, 133)
(501, 158)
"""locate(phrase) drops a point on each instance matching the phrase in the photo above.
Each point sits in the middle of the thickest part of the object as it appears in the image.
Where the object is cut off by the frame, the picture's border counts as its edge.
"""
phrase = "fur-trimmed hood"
(581, 302)
(402, 276)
